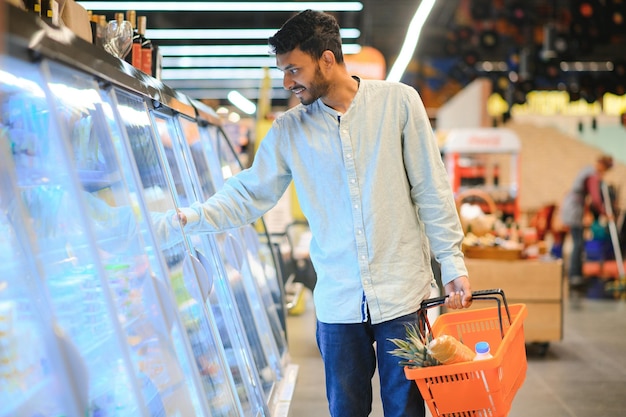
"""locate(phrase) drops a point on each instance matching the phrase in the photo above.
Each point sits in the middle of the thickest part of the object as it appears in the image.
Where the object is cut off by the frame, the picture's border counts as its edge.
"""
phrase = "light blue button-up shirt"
(374, 190)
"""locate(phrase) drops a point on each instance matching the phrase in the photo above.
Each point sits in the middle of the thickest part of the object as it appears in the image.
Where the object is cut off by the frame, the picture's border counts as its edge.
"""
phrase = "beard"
(318, 88)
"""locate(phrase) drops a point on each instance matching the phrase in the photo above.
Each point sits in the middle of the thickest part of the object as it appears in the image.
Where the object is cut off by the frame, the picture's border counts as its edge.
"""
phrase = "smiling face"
(303, 76)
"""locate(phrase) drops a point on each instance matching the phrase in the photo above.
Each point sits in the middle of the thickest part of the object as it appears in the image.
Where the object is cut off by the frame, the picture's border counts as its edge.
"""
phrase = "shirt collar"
(334, 112)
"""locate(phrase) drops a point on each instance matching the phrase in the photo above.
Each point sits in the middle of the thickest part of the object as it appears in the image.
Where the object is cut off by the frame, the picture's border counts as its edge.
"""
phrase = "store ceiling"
(459, 37)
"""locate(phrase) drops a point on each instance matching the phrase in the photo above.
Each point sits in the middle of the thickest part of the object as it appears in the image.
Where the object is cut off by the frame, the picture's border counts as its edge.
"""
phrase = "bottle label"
(146, 61)
(136, 56)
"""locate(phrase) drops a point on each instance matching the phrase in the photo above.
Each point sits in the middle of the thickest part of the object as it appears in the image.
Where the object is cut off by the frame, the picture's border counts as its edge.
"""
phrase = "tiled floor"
(583, 375)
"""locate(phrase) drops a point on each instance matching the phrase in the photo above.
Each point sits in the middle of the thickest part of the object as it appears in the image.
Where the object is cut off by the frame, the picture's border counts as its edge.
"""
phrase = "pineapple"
(414, 350)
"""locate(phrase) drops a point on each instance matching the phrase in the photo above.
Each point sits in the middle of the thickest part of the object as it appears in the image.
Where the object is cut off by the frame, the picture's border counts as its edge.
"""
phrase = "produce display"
(487, 236)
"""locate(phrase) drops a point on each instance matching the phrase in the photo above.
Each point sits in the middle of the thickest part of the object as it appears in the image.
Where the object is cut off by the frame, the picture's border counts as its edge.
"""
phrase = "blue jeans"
(350, 362)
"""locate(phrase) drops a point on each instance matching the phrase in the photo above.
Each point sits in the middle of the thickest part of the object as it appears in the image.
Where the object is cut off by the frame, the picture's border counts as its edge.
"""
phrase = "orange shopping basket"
(483, 388)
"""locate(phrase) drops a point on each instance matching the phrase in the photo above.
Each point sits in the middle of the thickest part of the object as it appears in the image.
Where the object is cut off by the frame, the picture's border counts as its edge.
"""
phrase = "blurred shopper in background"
(581, 206)
(372, 185)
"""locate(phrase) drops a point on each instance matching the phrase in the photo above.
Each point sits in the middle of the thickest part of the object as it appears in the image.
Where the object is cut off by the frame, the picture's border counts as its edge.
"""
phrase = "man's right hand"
(179, 217)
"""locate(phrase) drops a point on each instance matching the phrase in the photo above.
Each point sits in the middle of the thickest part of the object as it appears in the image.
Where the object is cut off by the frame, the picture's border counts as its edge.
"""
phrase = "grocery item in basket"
(414, 350)
(447, 350)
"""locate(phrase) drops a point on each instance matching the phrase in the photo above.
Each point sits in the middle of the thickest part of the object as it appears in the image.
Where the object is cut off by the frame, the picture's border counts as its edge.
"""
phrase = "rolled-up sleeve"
(246, 196)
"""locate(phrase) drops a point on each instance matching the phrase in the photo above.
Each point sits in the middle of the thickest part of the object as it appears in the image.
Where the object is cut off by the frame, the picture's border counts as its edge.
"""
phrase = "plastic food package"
(447, 350)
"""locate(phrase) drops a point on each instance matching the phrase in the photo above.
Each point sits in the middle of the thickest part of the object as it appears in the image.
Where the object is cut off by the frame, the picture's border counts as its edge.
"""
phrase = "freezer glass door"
(182, 272)
(113, 215)
(221, 300)
(234, 264)
(229, 164)
(258, 260)
(263, 267)
(172, 324)
(58, 207)
(33, 380)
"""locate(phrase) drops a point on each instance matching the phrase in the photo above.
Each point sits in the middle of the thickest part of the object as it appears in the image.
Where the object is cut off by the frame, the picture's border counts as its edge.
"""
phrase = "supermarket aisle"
(581, 376)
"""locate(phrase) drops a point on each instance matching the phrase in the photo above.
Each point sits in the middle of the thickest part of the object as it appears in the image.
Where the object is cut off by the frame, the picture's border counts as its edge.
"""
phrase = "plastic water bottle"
(482, 351)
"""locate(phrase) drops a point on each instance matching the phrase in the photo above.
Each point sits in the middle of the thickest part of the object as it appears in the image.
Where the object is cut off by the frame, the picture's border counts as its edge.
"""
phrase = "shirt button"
(363, 257)
(352, 181)
(360, 232)
(356, 206)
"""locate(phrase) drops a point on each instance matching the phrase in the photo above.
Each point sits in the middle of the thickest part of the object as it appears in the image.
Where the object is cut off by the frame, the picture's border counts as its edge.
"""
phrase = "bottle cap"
(482, 347)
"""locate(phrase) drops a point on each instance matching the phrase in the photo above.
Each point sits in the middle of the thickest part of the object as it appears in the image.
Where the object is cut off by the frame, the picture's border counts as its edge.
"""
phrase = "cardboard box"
(538, 284)
(544, 322)
(75, 17)
(520, 279)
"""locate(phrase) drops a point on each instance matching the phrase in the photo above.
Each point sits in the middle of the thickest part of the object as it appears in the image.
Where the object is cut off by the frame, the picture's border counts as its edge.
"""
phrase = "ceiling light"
(209, 50)
(349, 33)
(234, 117)
(217, 73)
(225, 6)
(232, 50)
(588, 66)
(219, 61)
(410, 42)
(241, 102)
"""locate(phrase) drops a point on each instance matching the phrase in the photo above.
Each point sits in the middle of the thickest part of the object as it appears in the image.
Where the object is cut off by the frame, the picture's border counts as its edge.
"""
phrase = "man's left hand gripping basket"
(483, 388)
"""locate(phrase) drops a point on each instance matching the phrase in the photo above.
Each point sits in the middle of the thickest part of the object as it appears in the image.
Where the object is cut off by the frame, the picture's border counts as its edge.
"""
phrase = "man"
(584, 197)
(373, 188)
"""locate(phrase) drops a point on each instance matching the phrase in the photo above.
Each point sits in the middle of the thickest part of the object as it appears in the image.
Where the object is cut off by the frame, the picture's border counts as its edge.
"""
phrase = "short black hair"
(312, 31)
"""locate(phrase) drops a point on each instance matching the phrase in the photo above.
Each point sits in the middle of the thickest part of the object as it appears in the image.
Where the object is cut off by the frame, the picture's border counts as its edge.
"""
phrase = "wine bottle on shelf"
(134, 58)
(33, 6)
(146, 47)
(93, 24)
(157, 62)
(101, 30)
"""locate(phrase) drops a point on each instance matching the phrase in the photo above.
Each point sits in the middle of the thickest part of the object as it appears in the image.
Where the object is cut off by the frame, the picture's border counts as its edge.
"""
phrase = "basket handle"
(496, 294)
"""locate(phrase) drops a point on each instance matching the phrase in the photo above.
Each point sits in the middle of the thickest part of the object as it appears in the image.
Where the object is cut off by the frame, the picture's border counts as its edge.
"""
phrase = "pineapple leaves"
(413, 351)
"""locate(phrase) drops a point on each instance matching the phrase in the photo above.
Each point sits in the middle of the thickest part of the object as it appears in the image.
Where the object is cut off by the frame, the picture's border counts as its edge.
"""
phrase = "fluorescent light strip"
(241, 102)
(222, 84)
(212, 62)
(218, 73)
(232, 50)
(349, 33)
(213, 50)
(251, 94)
(590, 66)
(410, 42)
(224, 6)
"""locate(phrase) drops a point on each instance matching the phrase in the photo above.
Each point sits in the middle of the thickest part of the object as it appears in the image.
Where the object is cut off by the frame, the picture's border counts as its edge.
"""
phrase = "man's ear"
(328, 58)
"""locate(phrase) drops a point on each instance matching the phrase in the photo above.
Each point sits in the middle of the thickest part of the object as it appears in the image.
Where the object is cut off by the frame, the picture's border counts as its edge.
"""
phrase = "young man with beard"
(372, 185)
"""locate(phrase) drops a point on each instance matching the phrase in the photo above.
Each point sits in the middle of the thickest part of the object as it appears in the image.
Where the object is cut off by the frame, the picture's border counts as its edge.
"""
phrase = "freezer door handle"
(205, 280)
(168, 306)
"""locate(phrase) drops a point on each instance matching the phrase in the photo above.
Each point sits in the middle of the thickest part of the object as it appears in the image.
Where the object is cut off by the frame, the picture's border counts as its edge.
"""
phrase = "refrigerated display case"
(260, 259)
(33, 368)
(188, 189)
(58, 210)
(202, 169)
(278, 273)
(188, 279)
(150, 319)
(122, 247)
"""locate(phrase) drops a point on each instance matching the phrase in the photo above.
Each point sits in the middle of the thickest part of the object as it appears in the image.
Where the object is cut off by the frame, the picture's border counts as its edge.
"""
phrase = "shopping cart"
(483, 388)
